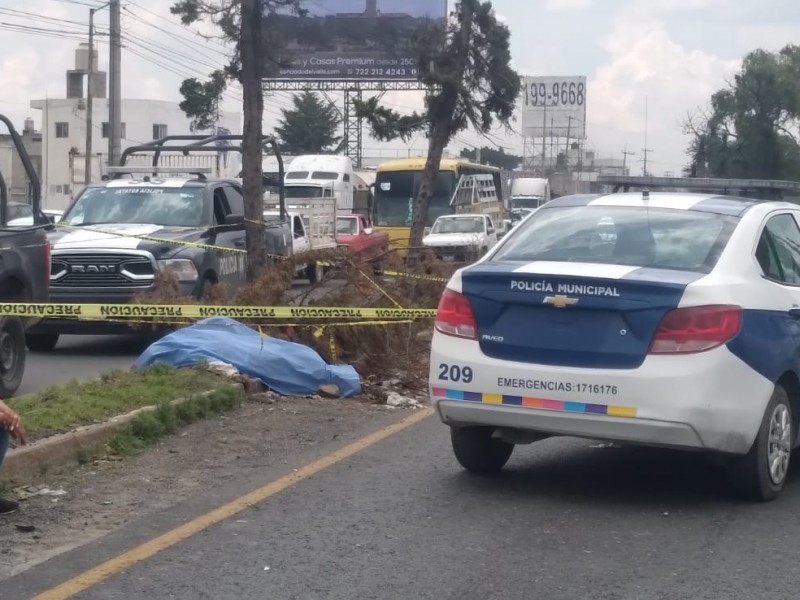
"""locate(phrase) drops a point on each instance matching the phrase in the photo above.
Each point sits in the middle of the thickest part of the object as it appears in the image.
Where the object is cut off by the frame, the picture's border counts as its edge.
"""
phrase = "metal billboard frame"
(353, 90)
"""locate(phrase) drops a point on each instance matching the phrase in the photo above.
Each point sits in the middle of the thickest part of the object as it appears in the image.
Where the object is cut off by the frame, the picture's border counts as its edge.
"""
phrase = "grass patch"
(63, 407)
(149, 426)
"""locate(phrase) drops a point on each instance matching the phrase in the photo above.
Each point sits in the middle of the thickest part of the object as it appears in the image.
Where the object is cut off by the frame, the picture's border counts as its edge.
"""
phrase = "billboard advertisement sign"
(554, 107)
(354, 40)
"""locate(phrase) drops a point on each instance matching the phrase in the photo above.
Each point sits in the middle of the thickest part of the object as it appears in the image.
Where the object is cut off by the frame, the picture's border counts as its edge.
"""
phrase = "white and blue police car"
(663, 319)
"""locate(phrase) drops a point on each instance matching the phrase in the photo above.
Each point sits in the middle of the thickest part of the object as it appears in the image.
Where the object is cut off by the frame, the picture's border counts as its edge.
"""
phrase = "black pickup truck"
(118, 234)
(24, 268)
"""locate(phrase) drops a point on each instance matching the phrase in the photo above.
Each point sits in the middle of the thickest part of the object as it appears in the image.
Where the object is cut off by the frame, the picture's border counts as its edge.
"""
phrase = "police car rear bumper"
(711, 400)
(635, 431)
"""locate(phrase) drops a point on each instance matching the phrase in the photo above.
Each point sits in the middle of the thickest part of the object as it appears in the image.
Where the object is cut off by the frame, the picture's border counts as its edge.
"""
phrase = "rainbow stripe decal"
(540, 403)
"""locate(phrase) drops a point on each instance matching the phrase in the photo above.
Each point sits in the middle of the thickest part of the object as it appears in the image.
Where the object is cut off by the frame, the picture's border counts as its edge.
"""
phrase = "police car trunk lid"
(571, 314)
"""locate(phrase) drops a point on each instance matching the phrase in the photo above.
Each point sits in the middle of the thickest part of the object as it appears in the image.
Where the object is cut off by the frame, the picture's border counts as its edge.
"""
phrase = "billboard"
(353, 40)
(554, 107)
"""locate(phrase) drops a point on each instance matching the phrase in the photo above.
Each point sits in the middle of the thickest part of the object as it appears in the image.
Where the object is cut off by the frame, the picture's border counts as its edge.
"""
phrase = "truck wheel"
(760, 474)
(205, 288)
(12, 355)
(315, 272)
(41, 342)
(477, 451)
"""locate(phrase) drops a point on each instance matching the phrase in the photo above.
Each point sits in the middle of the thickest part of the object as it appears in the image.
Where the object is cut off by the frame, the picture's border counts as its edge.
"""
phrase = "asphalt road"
(569, 519)
(79, 357)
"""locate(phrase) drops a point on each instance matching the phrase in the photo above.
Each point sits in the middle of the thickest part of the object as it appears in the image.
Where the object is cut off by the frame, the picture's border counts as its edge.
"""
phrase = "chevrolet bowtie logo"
(560, 301)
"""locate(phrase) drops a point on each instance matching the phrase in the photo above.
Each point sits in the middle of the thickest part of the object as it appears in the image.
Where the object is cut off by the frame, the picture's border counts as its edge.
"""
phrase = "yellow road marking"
(126, 560)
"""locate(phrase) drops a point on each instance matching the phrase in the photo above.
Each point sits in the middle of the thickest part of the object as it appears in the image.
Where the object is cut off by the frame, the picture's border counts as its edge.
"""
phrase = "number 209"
(455, 373)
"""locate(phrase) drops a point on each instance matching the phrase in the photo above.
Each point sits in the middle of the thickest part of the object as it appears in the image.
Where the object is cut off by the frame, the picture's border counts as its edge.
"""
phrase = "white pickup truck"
(313, 227)
(461, 237)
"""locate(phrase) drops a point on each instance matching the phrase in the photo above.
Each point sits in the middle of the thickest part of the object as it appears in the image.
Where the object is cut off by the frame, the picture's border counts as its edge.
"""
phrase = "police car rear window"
(645, 237)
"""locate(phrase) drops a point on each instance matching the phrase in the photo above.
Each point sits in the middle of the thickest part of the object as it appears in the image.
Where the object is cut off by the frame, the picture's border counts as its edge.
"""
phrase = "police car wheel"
(477, 451)
(12, 355)
(42, 342)
(760, 474)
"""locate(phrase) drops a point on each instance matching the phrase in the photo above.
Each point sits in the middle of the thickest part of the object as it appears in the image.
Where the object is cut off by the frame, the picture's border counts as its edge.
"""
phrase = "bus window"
(396, 191)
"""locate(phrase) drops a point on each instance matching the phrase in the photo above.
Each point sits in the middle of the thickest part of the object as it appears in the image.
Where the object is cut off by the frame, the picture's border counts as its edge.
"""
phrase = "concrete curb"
(28, 464)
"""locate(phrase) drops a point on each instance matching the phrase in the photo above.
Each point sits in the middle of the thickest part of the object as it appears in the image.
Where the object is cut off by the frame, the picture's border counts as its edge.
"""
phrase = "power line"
(225, 50)
(187, 43)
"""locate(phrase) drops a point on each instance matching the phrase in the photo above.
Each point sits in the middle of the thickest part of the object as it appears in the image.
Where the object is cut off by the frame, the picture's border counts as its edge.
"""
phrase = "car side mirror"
(368, 231)
(427, 231)
(491, 230)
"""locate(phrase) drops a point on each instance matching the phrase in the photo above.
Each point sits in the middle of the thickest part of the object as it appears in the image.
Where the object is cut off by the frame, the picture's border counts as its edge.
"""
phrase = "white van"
(320, 175)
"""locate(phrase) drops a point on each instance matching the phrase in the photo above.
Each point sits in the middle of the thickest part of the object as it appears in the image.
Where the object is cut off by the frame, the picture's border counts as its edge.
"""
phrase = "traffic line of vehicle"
(211, 247)
(128, 559)
(194, 311)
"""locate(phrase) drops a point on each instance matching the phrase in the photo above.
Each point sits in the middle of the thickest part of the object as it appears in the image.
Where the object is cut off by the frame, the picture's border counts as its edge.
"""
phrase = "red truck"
(355, 232)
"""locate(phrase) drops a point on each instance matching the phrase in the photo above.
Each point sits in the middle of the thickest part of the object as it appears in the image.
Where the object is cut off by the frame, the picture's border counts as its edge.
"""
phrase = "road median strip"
(125, 410)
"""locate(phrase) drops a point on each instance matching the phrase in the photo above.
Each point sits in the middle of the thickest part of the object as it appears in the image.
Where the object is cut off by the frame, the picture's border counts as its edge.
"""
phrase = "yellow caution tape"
(414, 276)
(150, 238)
(108, 311)
(332, 343)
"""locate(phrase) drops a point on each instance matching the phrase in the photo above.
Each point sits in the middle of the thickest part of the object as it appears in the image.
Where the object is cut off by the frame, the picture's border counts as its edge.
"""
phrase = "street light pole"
(87, 176)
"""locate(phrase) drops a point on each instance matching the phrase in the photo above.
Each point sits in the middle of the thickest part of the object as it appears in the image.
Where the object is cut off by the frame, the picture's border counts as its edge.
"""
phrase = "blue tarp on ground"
(288, 368)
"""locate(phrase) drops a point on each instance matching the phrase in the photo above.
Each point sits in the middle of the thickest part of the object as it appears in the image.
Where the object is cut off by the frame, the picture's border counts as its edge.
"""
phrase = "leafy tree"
(752, 128)
(467, 68)
(310, 127)
(497, 158)
(246, 24)
(202, 99)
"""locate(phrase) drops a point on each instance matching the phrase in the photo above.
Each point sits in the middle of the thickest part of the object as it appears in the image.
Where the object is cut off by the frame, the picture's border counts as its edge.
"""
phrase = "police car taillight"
(454, 316)
(696, 329)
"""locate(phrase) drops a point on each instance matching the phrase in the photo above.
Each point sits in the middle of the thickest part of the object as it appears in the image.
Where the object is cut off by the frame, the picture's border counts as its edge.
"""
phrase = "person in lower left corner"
(10, 427)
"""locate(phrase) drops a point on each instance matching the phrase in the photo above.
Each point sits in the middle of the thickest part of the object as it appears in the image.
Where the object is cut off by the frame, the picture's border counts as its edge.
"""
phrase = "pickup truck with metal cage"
(24, 266)
(119, 234)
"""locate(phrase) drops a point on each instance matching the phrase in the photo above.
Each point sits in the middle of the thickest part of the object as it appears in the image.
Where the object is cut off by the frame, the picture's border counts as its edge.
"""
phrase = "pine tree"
(310, 127)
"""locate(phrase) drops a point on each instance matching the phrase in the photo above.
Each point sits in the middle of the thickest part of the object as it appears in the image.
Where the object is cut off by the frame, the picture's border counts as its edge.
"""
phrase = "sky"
(671, 55)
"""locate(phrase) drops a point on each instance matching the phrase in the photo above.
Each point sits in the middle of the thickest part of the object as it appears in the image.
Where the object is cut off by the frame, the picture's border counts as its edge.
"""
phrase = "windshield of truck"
(645, 237)
(346, 226)
(169, 207)
(307, 191)
(458, 225)
(395, 192)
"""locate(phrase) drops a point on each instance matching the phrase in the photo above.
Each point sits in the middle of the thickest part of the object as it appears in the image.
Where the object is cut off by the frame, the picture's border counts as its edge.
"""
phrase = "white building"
(63, 125)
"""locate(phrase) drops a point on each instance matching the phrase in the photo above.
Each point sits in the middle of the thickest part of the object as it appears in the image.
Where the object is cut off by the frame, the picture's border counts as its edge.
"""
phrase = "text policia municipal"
(565, 288)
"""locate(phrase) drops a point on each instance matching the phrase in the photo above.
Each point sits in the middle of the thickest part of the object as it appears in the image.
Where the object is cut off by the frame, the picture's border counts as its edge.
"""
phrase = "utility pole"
(544, 139)
(115, 85)
(625, 155)
(645, 150)
(566, 148)
(87, 176)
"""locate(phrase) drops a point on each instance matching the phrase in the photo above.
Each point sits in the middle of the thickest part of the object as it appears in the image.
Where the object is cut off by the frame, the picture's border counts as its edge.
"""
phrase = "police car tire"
(12, 332)
(41, 342)
(750, 473)
(477, 451)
